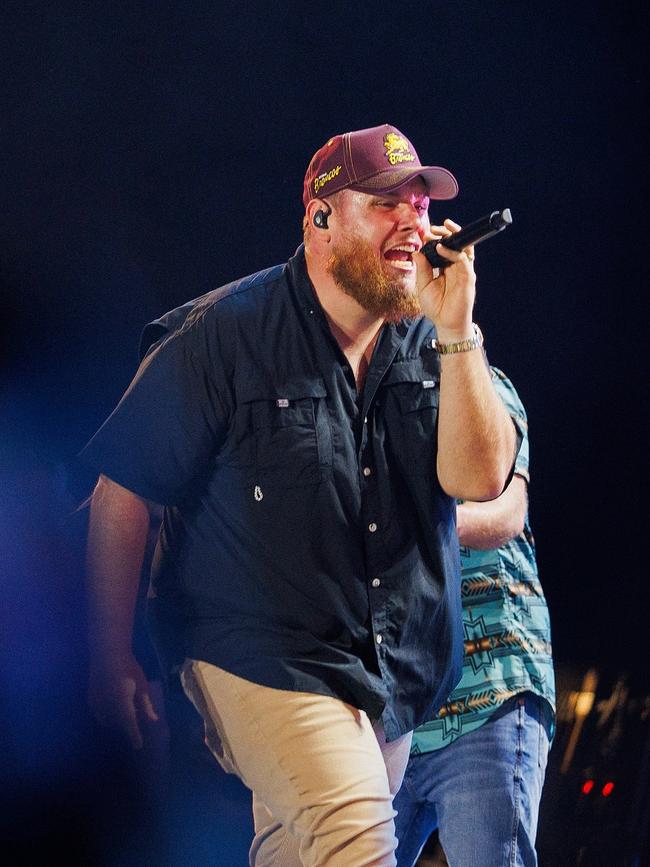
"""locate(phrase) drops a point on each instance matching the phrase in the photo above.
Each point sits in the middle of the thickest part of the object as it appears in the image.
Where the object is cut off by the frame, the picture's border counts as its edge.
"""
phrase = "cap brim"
(440, 183)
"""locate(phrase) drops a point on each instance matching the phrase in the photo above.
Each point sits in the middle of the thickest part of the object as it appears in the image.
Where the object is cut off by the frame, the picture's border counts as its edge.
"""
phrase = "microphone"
(474, 232)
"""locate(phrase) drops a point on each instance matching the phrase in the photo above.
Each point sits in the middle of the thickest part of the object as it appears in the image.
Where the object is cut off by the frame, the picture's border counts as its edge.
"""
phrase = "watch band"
(462, 345)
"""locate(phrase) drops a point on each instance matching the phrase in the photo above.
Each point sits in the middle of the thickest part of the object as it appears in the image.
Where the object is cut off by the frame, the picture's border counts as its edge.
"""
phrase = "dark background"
(152, 151)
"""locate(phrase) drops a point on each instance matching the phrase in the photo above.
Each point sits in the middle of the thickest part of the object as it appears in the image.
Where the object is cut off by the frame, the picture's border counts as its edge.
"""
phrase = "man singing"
(307, 429)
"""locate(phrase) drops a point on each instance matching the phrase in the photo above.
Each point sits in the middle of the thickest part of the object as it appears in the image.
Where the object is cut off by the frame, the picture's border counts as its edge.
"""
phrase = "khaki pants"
(323, 778)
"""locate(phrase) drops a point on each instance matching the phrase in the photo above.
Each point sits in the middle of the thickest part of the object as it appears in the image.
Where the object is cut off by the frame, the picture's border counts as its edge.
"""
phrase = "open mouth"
(401, 256)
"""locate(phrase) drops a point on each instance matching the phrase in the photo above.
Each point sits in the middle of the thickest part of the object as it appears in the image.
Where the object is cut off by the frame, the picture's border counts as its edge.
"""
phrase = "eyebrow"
(395, 196)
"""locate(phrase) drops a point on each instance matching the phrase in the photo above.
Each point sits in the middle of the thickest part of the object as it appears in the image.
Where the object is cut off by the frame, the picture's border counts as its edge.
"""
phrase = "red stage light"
(608, 788)
(587, 786)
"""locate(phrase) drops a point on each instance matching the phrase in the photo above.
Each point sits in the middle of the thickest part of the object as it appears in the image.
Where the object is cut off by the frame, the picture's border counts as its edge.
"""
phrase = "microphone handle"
(473, 233)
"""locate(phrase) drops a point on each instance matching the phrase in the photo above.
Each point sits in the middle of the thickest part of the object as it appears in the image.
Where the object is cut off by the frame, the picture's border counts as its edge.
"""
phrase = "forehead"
(413, 189)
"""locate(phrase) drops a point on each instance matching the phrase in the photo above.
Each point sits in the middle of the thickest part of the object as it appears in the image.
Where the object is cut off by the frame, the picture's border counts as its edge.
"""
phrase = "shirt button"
(372, 527)
(379, 639)
(376, 582)
(367, 471)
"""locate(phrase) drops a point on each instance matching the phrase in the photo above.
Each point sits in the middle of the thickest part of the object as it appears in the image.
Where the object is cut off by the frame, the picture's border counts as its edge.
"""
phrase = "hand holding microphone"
(473, 233)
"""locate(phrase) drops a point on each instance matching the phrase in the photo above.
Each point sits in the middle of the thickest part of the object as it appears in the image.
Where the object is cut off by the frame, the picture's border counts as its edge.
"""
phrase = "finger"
(147, 708)
(118, 712)
(453, 227)
(447, 253)
(423, 263)
(133, 730)
(455, 256)
(129, 713)
(440, 231)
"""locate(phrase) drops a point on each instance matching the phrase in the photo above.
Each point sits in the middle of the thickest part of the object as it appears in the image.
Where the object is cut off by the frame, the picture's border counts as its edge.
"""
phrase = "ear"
(317, 214)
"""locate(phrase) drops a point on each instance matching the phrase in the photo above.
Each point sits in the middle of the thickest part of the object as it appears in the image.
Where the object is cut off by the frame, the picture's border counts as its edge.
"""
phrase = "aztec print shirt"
(505, 623)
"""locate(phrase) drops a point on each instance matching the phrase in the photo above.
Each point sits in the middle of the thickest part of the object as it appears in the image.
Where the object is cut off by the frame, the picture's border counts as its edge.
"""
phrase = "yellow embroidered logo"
(397, 149)
(325, 178)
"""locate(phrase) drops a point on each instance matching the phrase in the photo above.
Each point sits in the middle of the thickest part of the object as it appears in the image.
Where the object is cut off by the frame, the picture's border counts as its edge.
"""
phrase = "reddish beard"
(362, 275)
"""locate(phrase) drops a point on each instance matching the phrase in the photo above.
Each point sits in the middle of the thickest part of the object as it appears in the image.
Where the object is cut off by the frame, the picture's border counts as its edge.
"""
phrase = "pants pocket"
(214, 737)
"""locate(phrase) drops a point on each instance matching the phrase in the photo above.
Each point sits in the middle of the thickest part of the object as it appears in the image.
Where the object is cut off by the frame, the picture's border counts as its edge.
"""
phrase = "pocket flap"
(411, 371)
(294, 389)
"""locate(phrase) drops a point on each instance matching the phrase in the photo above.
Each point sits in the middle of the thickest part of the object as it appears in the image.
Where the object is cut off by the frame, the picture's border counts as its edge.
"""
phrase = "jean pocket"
(546, 726)
(214, 737)
(537, 712)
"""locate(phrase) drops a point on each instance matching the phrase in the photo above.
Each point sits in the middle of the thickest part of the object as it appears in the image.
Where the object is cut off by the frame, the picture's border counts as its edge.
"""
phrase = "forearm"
(117, 535)
(476, 436)
(484, 526)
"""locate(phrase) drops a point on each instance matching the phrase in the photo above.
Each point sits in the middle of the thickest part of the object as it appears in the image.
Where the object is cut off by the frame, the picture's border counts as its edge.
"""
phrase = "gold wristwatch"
(462, 345)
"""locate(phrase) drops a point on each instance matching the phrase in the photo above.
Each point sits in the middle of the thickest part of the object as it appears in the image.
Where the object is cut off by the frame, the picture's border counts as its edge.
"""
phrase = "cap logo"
(325, 178)
(398, 150)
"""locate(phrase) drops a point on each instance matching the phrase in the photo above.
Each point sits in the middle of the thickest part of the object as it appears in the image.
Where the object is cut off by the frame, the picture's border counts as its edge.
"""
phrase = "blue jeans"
(481, 792)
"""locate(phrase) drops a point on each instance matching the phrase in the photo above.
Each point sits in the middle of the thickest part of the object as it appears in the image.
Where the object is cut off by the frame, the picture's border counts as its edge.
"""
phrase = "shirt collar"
(308, 299)
(305, 292)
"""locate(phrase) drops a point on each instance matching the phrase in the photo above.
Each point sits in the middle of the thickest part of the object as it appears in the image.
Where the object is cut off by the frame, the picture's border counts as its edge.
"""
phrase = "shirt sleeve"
(169, 425)
(508, 394)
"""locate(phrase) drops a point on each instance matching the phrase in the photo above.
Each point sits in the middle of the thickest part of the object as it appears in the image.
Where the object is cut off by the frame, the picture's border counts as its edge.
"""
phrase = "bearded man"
(307, 430)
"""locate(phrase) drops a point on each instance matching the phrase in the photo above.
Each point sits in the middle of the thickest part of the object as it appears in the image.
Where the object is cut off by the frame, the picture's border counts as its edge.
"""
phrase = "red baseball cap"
(375, 160)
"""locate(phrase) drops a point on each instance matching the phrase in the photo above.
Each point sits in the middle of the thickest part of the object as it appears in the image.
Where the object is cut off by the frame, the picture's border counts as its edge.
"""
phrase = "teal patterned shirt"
(505, 622)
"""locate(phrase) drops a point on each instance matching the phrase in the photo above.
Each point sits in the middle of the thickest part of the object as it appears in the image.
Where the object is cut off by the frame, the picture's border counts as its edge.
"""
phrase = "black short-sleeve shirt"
(306, 541)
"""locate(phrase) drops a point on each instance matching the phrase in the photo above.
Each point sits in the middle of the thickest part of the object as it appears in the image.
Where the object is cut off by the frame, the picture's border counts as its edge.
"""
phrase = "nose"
(410, 217)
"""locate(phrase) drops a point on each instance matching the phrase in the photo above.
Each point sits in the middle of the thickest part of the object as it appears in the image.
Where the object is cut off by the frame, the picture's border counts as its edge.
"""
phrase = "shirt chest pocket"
(291, 433)
(412, 396)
